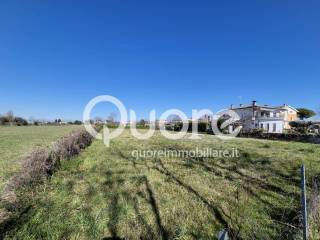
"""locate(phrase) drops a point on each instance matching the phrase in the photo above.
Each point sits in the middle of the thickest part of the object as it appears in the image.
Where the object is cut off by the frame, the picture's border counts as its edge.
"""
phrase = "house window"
(274, 127)
(261, 125)
(268, 127)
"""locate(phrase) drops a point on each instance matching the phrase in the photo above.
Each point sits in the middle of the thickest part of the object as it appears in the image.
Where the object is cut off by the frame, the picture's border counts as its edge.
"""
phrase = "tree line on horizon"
(9, 119)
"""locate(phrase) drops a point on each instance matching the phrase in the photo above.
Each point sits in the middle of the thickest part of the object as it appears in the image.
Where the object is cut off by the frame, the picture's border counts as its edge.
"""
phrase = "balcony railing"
(269, 118)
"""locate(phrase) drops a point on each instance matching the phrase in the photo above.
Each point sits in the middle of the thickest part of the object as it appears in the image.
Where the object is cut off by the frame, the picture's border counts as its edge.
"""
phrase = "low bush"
(297, 137)
(20, 121)
(301, 126)
(177, 126)
(142, 127)
(202, 127)
(41, 163)
(4, 120)
(37, 167)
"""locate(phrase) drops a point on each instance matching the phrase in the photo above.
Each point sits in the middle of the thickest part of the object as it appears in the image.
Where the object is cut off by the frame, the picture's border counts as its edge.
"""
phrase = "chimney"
(253, 111)
(254, 103)
(231, 106)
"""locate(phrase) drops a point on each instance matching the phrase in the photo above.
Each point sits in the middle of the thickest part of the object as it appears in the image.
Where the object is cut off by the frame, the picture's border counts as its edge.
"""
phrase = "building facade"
(270, 119)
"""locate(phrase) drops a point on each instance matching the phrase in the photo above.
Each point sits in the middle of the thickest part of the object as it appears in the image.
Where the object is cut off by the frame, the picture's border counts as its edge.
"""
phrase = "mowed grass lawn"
(18, 141)
(106, 193)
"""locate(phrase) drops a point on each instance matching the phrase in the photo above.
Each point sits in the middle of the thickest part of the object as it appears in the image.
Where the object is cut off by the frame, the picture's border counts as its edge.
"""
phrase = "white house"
(271, 119)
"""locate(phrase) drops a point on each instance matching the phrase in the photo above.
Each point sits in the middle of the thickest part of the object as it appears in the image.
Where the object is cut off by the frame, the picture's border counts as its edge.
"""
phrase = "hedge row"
(37, 167)
(297, 137)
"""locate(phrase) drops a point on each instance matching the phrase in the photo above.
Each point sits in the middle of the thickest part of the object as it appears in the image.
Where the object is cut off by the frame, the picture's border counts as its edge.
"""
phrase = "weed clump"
(67, 147)
(35, 168)
(41, 163)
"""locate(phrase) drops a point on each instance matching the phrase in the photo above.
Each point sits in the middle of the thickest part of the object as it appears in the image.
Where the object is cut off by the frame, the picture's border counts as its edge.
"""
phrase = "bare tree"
(10, 117)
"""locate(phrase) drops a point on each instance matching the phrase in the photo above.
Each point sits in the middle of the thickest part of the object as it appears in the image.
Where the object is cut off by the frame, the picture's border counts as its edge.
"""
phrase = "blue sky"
(57, 55)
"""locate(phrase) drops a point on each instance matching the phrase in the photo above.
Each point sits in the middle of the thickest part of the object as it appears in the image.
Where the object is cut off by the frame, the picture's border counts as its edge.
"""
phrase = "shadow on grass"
(218, 215)
(254, 186)
(153, 203)
(114, 182)
(251, 185)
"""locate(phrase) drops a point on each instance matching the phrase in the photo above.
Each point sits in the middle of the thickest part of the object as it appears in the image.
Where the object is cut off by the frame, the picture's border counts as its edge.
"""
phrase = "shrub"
(169, 127)
(41, 163)
(36, 168)
(4, 120)
(20, 121)
(300, 126)
(71, 145)
(142, 127)
(178, 126)
(110, 125)
(202, 127)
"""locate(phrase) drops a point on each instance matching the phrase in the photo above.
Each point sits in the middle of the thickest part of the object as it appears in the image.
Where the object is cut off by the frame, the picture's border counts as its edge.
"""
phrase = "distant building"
(205, 118)
(99, 121)
(271, 119)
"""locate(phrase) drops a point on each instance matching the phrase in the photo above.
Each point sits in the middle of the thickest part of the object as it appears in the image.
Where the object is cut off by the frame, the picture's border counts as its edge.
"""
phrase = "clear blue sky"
(57, 55)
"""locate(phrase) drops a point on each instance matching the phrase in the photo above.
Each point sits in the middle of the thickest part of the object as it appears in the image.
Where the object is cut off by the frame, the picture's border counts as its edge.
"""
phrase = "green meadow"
(17, 141)
(107, 193)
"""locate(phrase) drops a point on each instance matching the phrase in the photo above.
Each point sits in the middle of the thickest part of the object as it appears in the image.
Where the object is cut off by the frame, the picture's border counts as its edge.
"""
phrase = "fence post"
(304, 203)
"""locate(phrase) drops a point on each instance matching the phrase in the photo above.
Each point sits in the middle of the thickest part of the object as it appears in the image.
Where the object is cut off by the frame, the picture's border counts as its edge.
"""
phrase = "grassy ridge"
(16, 142)
(105, 192)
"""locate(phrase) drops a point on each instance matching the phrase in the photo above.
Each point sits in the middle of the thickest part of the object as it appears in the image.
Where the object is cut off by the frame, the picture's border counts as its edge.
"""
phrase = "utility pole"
(304, 203)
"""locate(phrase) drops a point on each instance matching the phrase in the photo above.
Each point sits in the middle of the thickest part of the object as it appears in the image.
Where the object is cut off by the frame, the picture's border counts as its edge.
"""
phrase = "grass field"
(17, 141)
(106, 193)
